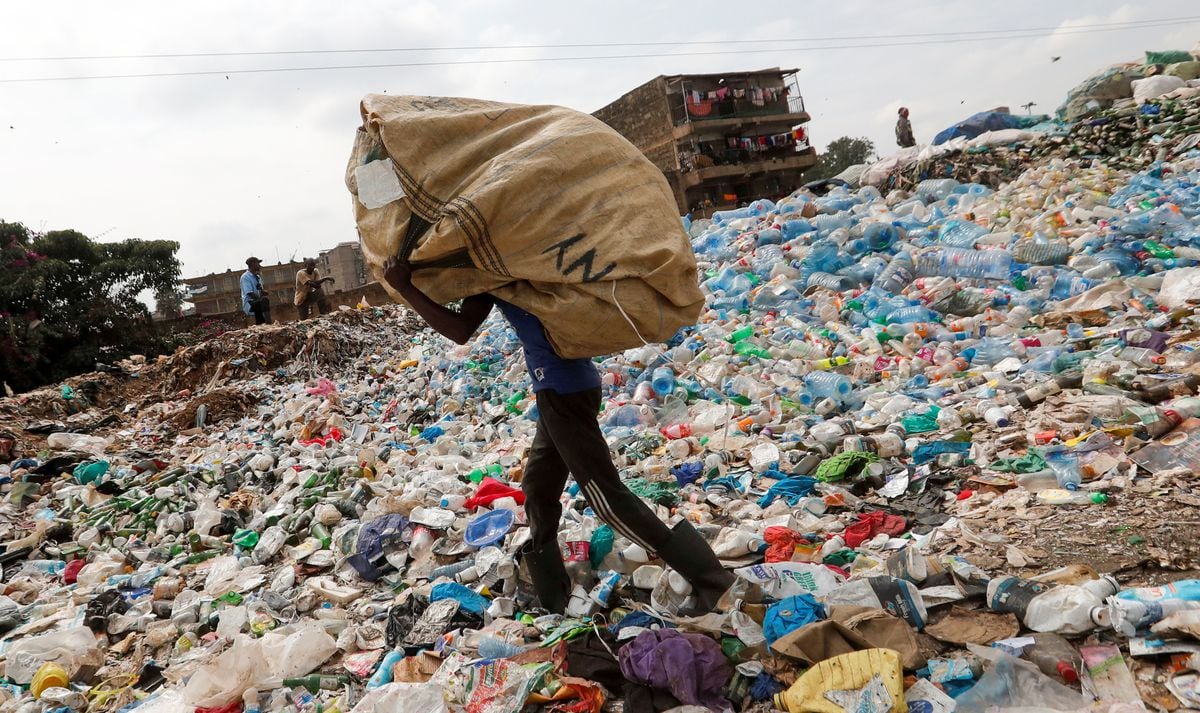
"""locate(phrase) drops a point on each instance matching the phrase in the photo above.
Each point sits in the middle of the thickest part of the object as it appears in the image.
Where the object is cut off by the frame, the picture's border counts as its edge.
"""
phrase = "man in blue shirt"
(568, 441)
(254, 298)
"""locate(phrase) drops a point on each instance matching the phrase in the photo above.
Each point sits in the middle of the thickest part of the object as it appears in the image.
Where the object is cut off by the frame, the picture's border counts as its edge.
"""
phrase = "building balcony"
(749, 167)
(780, 117)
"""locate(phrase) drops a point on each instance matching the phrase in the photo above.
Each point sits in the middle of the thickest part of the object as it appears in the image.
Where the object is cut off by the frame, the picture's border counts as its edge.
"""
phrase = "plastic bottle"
(1147, 358)
(1046, 252)
(1065, 609)
(909, 315)
(831, 431)
(491, 647)
(269, 544)
(1055, 656)
(385, 671)
(1058, 496)
(250, 701)
(836, 283)
(960, 233)
(960, 262)
(494, 470)
(663, 380)
(997, 416)
(828, 385)
(317, 682)
(1038, 480)
(1066, 469)
(898, 274)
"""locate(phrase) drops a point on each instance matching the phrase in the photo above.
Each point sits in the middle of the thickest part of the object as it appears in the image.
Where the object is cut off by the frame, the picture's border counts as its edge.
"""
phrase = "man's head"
(310, 264)
(254, 265)
(903, 112)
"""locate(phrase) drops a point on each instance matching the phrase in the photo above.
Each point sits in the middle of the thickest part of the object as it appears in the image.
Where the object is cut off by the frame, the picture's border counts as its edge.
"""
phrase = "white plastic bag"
(227, 677)
(96, 573)
(261, 664)
(787, 579)
(296, 654)
(1179, 287)
(77, 442)
(402, 698)
(1154, 87)
(70, 648)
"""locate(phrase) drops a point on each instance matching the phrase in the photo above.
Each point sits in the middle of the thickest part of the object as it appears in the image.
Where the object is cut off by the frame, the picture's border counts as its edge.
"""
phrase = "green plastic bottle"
(316, 682)
(495, 470)
(740, 334)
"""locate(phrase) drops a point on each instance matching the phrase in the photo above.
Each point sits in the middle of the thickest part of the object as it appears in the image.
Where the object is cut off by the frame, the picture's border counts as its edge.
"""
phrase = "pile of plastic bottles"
(354, 537)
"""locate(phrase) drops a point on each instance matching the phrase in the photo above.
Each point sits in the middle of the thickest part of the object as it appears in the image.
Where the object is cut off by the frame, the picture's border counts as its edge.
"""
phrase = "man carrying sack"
(554, 218)
(569, 441)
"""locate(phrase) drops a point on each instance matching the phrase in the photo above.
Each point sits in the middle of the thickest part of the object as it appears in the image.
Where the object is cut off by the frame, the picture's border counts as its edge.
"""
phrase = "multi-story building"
(345, 264)
(720, 139)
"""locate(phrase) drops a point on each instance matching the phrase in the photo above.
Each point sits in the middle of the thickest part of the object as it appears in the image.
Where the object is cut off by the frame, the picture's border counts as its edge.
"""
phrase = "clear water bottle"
(826, 384)
(1041, 251)
(936, 189)
(965, 263)
(961, 233)
(663, 380)
(766, 258)
(491, 647)
(898, 274)
(837, 283)
(911, 314)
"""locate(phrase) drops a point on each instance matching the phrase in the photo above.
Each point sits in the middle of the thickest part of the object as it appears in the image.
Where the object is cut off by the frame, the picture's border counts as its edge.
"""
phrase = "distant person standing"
(309, 292)
(254, 298)
(904, 134)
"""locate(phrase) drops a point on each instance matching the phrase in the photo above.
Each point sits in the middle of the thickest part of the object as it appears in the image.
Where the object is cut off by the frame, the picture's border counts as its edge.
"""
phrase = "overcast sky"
(254, 163)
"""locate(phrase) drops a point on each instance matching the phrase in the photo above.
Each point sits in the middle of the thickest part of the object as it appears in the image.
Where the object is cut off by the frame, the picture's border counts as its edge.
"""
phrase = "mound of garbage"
(1128, 115)
(945, 438)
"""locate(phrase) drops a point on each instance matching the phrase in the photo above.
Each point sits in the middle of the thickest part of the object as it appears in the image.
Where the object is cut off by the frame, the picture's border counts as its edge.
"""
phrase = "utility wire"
(1128, 24)
(515, 60)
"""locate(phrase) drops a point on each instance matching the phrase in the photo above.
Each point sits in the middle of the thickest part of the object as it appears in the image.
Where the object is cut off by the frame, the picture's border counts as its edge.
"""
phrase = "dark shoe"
(688, 553)
(549, 576)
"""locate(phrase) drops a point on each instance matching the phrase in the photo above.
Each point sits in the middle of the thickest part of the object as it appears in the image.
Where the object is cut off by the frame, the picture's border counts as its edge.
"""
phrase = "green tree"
(67, 301)
(840, 154)
(169, 303)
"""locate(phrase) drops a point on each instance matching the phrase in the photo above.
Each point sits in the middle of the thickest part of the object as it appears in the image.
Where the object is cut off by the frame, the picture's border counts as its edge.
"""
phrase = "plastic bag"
(1154, 87)
(787, 579)
(402, 698)
(1012, 683)
(261, 664)
(227, 677)
(70, 648)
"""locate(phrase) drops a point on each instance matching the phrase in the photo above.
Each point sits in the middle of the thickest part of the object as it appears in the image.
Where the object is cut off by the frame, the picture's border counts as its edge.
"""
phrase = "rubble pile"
(944, 437)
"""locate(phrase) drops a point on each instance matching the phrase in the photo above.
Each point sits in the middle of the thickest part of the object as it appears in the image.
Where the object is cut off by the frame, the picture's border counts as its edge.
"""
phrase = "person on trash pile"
(255, 300)
(309, 292)
(904, 134)
(568, 440)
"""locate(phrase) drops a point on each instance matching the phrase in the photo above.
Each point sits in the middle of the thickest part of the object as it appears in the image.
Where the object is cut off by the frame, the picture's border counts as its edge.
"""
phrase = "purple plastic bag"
(690, 666)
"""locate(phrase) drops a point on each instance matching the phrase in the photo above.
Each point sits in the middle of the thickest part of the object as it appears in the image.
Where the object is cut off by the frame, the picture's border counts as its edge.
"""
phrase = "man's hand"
(398, 274)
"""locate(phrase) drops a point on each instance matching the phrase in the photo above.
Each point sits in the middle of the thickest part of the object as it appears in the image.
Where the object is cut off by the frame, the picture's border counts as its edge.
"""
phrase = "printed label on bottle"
(1013, 595)
(894, 598)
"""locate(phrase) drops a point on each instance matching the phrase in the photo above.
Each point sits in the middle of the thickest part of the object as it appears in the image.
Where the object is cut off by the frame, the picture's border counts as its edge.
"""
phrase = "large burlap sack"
(541, 206)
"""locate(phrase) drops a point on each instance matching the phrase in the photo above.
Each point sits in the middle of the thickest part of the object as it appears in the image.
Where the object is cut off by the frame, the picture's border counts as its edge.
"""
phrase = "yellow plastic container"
(841, 673)
(50, 675)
